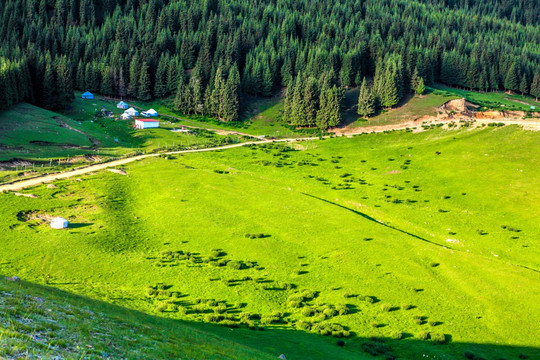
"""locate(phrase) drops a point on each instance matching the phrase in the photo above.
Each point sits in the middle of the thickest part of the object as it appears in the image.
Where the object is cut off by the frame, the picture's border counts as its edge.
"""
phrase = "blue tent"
(122, 105)
(87, 95)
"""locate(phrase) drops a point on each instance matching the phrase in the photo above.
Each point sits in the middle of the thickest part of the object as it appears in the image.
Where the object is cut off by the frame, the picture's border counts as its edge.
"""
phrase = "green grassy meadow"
(497, 100)
(413, 108)
(391, 242)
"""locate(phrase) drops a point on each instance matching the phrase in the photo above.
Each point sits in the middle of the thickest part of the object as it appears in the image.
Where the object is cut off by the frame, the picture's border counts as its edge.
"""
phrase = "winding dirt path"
(414, 124)
(92, 168)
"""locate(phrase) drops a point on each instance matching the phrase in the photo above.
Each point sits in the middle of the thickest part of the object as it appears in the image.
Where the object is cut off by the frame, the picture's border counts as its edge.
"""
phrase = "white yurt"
(150, 112)
(122, 105)
(131, 111)
(59, 223)
(125, 116)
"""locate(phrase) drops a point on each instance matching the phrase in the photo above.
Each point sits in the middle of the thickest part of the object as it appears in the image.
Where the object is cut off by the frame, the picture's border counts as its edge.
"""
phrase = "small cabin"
(87, 96)
(146, 123)
(122, 105)
(59, 223)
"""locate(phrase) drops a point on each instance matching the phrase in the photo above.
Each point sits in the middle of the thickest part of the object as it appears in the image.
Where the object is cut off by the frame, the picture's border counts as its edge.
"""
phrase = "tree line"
(209, 54)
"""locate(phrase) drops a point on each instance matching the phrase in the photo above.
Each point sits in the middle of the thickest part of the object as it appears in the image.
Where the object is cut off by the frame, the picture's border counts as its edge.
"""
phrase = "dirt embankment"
(454, 113)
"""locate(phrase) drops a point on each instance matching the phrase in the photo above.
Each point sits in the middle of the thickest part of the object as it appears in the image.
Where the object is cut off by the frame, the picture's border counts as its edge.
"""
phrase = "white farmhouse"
(146, 123)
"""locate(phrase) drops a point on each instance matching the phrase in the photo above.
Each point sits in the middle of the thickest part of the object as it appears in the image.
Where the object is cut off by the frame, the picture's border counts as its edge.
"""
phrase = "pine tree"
(334, 106)
(133, 86)
(311, 102)
(524, 85)
(79, 78)
(48, 96)
(144, 83)
(298, 108)
(511, 82)
(91, 78)
(64, 84)
(160, 82)
(389, 95)
(420, 89)
(366, 102)
(107, 82)
(535, 86)
(267, 82)
(231, 105)
(415, 80)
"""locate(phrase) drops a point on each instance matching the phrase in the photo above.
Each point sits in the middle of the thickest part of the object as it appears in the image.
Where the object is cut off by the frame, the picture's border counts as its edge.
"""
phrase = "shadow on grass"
(220, 342)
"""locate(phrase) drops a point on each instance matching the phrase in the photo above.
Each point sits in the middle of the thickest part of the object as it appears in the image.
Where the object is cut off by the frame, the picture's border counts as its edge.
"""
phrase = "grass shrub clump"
(422, 335)
(396, 335)
(438, 338)
(386, 307)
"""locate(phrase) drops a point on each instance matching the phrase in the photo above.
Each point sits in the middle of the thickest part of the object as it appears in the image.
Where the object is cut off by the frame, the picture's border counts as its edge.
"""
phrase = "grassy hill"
(394, 243)
(40, 322)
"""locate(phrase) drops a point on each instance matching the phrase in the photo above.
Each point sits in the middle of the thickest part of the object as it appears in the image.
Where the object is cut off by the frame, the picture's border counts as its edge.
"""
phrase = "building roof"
(147, 120)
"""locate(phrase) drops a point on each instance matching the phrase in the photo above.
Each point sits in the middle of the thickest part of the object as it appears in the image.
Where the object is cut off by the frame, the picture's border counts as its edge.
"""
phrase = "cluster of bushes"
(298, 299)
(376, 348)
(171, 258)
(255, 236)
(221, 171)
(278, 286)
(274, 318)
(322, 313)
(325, 329)
(161, 290)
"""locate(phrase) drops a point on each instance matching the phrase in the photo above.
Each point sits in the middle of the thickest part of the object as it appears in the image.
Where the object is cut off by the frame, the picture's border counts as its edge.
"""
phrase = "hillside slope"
(41, 322)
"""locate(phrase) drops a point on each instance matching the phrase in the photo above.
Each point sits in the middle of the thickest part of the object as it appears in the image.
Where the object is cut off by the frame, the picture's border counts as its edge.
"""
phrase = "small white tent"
(59, 223)
(149, 113)
(122, 105)
(131, 111)
(125, 116)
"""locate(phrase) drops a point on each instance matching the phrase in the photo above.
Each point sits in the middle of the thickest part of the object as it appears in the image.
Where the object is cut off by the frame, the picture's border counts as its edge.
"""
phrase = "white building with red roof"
(146, 123)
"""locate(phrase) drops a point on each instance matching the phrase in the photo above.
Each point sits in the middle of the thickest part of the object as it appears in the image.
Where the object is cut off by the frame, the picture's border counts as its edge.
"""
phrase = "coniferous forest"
(210, 54)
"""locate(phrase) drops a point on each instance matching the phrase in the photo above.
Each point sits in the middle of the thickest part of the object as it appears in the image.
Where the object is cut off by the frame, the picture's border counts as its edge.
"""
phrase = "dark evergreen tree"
(366, 101)
(144, 83)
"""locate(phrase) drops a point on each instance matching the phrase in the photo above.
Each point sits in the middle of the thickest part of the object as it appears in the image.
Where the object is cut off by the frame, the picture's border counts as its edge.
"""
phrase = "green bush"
(386, 307)
(405, 306)
(422, 335)
(396, 335)
(308, 311)
(438, 337)
(342, 309)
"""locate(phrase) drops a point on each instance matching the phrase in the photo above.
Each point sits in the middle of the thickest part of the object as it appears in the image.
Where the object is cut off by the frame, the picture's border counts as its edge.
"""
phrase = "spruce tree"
(231, 105)
(366, 102)
(48, 96)
(420, 88)
(535, 86)
(311, 102)
(524, 85)
(511, 81)
(143, 92)
(64, 84)
(160, 82)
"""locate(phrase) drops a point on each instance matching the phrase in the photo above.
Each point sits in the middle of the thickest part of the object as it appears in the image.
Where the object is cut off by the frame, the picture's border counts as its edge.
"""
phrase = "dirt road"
(92, 168)
(415, 125)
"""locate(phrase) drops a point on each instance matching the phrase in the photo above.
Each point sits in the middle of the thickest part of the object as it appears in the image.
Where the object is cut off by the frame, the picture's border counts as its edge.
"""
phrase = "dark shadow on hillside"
(367, 217)
(272, 342)
(79, 225)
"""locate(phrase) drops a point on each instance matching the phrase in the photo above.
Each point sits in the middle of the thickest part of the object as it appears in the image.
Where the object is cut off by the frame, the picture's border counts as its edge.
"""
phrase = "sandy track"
(417, 124)
(93, 168)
